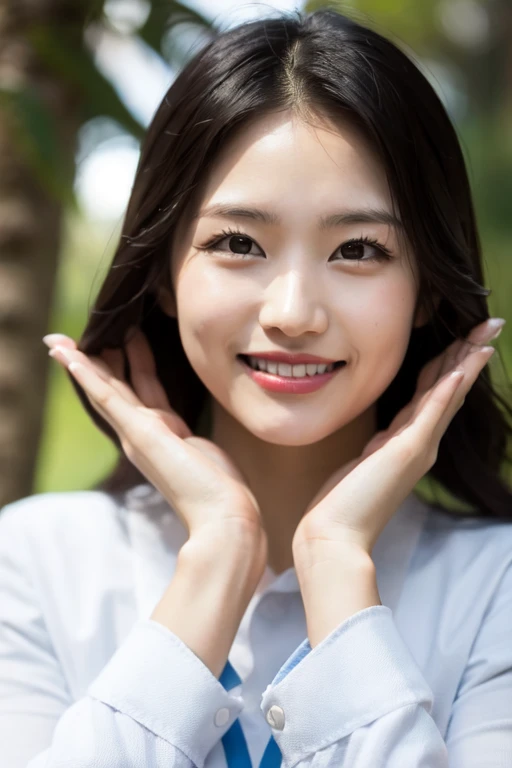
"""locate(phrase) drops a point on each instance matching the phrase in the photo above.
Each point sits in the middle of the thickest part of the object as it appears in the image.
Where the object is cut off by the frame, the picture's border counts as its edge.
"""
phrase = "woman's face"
(292, 285)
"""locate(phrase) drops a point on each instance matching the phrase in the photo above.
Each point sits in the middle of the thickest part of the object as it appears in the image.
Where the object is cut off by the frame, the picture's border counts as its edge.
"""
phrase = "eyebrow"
(336, 219)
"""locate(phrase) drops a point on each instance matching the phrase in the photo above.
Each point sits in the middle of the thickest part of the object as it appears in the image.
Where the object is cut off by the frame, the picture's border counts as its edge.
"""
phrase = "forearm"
(334, 588)
(208, 596)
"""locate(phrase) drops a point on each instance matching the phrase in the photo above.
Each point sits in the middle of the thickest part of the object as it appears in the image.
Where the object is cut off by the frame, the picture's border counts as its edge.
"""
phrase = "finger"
(111, 362)
(416, 441)
(438, 409)
(171, 418)
(378, 440)
(435, 369)
(451, 357)
(472, 366)
(143, 372)
(120, 413)
(51, 339)
(64, 350)
(459, 351)
(114, 378)
(100, 368)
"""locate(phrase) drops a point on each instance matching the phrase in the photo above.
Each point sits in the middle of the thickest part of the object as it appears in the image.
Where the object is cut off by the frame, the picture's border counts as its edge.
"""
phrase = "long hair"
(321, 63)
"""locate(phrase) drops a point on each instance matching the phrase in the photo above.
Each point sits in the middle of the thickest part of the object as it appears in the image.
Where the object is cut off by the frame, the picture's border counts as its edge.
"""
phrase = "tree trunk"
(30, 233)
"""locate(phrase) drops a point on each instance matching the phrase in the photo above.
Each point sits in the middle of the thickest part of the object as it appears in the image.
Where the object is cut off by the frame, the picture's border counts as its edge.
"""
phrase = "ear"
(422, 315)
(166, 301)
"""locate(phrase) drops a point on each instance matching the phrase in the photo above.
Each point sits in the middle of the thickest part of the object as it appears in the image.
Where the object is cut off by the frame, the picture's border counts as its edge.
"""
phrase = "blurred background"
(79, 83)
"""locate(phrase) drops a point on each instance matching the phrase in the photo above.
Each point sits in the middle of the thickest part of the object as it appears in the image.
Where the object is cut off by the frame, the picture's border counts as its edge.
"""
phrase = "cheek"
(208, 304)
(382, 315)
(380, 327)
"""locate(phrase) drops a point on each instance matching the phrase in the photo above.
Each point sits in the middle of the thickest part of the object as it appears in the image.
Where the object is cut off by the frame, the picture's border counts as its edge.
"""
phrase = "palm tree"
(49, 87)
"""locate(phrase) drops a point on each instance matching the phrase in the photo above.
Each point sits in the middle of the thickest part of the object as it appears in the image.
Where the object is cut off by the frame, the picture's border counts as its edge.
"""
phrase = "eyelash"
(384, 253)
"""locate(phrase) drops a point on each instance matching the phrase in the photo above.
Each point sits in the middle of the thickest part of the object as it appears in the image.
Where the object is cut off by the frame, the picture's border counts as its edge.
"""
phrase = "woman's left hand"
(355, 504)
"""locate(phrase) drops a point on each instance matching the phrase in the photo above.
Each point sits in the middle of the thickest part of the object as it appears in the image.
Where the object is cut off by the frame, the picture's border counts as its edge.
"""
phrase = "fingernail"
(495, 327)
(488, 331)
(53, 338)
(496, 334)
(63, 352)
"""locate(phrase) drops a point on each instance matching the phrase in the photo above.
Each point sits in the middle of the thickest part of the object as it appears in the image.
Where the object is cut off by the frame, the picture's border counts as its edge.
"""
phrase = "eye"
(354, 250)
(239, 243)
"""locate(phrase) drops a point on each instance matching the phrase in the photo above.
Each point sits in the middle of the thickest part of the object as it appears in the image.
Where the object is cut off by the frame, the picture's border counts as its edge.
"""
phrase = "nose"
(293, 304)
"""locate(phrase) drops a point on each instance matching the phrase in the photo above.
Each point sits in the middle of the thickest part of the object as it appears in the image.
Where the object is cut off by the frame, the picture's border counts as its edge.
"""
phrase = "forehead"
(279, 154)
(301, 172)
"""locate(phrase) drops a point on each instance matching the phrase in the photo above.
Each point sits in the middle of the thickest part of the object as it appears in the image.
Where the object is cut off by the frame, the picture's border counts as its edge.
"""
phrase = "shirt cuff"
(360, 672)
(156, 679)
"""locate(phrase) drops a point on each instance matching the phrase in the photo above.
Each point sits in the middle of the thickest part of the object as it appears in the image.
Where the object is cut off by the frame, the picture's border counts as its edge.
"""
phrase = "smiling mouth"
(245, 358)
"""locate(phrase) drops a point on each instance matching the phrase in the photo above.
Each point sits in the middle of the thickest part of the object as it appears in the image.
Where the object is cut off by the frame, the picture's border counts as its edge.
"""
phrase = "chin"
(290, 434)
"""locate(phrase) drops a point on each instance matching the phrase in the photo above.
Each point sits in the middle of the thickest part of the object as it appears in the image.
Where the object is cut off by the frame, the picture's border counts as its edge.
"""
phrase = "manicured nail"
(495, 335)
(51, 339)
(62, 351)
(495, 327)
(487, 331)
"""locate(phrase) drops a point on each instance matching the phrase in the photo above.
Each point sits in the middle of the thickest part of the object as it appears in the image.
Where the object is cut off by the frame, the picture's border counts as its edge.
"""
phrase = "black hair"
(326, 64)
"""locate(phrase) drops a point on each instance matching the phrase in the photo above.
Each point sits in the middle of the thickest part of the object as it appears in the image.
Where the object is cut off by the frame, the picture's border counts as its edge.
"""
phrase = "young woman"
(293, 332)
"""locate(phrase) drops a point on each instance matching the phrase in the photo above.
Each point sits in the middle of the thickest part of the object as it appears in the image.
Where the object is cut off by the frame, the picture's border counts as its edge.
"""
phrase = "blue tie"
(233, 741)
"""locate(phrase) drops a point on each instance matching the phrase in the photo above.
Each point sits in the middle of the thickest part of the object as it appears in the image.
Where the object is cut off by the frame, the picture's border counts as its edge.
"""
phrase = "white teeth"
(299, 371)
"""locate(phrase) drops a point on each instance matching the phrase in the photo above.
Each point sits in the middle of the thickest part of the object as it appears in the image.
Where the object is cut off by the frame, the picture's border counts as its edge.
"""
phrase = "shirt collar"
(156, 535)
(391, 554)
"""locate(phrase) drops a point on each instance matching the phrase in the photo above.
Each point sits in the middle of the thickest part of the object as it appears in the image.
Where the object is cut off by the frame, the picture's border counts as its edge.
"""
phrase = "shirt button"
(275, 717)
(221, 716)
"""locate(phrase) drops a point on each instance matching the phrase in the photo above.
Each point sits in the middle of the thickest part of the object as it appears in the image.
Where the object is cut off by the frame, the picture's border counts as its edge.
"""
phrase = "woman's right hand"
(198, 479)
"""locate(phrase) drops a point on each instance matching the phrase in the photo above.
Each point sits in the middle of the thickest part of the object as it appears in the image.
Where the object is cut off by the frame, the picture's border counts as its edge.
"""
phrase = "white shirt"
(88, 680)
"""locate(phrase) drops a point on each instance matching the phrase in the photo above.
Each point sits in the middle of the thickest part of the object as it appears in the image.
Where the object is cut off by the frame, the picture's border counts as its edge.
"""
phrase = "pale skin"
(313, 485)
(295, 300)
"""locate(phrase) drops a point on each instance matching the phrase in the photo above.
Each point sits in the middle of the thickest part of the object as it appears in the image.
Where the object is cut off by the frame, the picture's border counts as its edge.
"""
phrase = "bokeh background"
(79, 83)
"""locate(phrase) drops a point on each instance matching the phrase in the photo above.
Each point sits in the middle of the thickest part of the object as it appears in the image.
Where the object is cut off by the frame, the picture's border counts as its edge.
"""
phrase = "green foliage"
(66, 462)
(36, 137)
(73, 453)
(95, 95)
(164, 17)
(415, 23)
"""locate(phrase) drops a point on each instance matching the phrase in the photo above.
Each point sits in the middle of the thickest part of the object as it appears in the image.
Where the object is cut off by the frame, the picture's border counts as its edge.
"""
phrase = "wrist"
(226, 552)
(335, 584)
(314, 553)
(207, 598)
